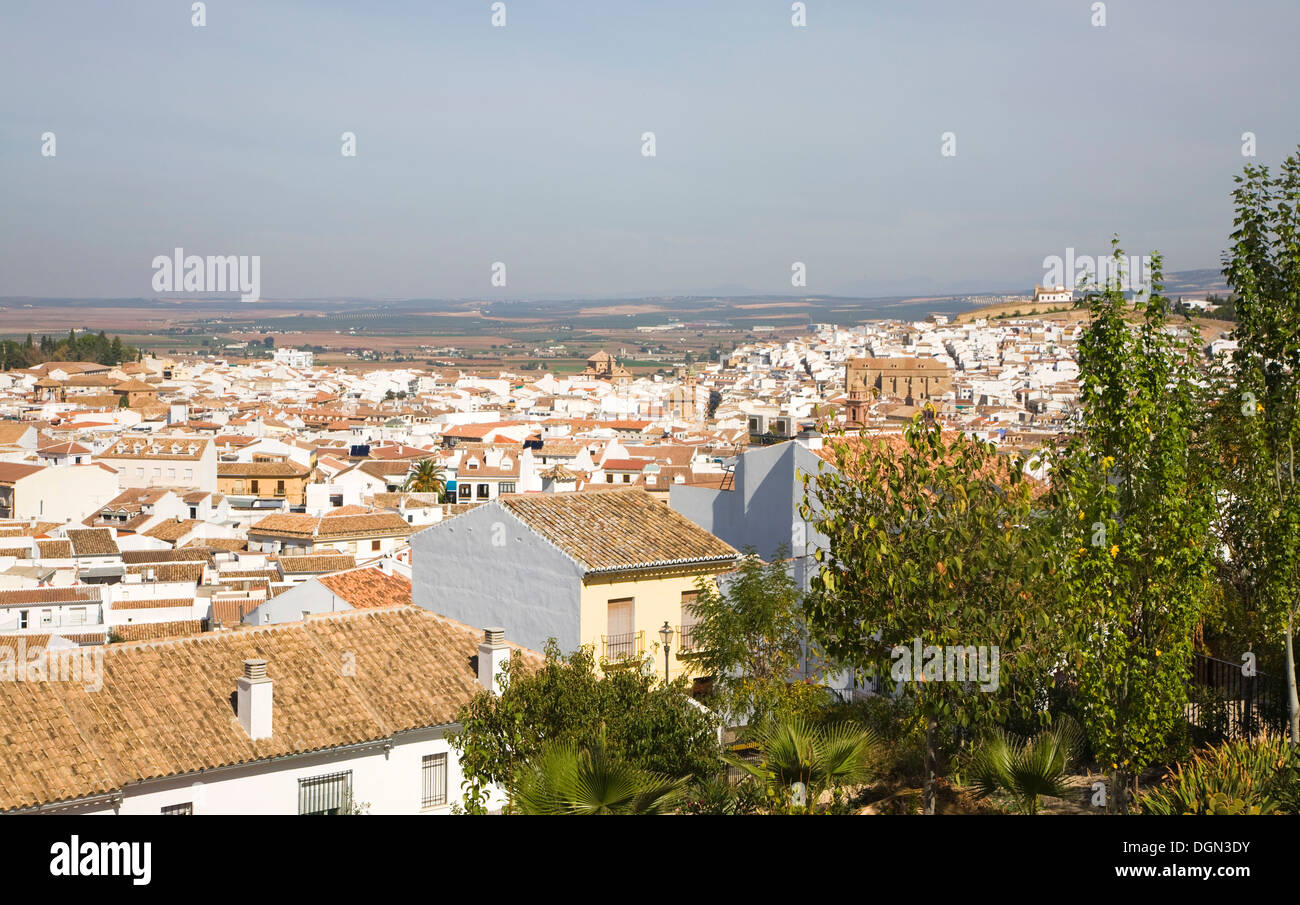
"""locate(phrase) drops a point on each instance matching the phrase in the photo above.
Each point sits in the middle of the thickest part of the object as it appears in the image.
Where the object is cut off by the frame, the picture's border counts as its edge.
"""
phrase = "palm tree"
(1026, 769)
(566, 779)
(426, 477)
(822, 758)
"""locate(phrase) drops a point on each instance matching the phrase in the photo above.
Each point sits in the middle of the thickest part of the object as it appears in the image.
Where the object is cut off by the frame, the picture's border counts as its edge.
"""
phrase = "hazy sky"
(522, 144)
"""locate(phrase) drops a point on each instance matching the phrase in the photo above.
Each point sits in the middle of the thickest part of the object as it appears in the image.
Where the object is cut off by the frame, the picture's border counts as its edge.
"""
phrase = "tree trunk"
(1292, 701)
(931, 763)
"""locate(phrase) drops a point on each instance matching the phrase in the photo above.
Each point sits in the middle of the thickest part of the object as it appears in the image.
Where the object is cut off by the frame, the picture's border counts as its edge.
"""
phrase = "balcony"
(622, 647)
(687, 645)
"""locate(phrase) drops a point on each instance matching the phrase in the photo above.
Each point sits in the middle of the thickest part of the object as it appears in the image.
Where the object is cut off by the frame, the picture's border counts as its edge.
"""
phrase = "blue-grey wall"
(762, 509)
(526, 585)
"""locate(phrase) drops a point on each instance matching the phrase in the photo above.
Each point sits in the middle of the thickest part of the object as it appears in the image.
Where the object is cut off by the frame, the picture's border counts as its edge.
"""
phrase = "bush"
(1240, 777)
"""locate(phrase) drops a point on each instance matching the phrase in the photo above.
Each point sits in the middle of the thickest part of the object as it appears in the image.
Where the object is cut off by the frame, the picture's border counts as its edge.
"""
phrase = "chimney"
(492, 654)
(253, 700)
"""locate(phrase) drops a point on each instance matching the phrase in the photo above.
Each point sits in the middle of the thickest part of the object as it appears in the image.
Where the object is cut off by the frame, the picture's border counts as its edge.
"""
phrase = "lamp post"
(666, 633)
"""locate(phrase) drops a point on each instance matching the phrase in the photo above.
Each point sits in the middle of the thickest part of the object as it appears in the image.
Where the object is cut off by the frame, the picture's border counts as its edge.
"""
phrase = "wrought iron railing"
(622, 647)
(1227, 702)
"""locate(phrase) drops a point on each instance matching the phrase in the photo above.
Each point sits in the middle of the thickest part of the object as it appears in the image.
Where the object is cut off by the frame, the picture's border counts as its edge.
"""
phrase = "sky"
(522, 144)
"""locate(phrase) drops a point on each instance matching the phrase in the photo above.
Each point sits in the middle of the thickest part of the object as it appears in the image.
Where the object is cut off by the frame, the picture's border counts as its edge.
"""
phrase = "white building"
(317, 716)
(294, 358)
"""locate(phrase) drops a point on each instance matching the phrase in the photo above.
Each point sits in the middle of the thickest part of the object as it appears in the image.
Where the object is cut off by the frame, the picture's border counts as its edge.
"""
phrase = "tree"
(1133, 500)
(715, 399)
(567, 779)
(642, 722)
(1261, 413)
(932, 546)
(819, 758)
(427, 477)
(749, 636)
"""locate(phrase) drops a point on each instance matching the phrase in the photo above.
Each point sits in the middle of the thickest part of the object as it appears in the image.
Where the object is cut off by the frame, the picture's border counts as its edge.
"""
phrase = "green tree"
(749, 637)
(639, 720)
(1261, 412)
(426, 477)
(1133, 501)
(932, 541)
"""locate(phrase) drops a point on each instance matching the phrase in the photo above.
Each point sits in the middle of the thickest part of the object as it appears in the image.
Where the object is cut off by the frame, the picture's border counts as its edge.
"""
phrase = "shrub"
(1239, 777)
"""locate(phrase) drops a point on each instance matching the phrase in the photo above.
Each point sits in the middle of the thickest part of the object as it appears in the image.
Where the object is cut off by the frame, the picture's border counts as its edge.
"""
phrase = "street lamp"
(666, 633)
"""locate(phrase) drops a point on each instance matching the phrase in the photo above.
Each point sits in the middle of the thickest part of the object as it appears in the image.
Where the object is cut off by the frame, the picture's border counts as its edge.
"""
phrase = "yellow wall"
(656, 597)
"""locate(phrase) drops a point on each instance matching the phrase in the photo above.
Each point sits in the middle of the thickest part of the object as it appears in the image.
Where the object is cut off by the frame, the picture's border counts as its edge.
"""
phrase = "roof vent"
(256, 669)
(494, 635)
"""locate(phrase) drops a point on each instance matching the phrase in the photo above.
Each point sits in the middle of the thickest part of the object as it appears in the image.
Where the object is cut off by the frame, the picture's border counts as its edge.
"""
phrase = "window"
(184, 809)
(189, 474)
(507, 487)
(465, 491)
(627, 479)
(327, 794)
(374, 545)
(620, 639)
(47, 617)
(433, 780)
(253, 485)
(690, 619)
(279, 488)
(194, 510)
(171, 474)
(482, 491)
(609, 479)
(77, 615)
(22, 619)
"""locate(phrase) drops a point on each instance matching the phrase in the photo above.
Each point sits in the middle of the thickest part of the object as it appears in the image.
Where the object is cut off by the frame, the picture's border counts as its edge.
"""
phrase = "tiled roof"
(368, 587)
(333, 526)
(152, 631)
(185, 554)
(151, 604)
(93, 542)
(77, 593)
(617, 530)
(55, 549)
(261, 470)
(165, 708)
(14, 471)
(31, 642)
(163, 447)
(317, 563)
(173, 530)
(173, 571)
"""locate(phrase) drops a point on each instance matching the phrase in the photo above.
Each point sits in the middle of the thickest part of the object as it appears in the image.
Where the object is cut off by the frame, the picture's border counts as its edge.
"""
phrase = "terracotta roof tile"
(617, 529)
(165, 706)
(93, 542)
(368, 588)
